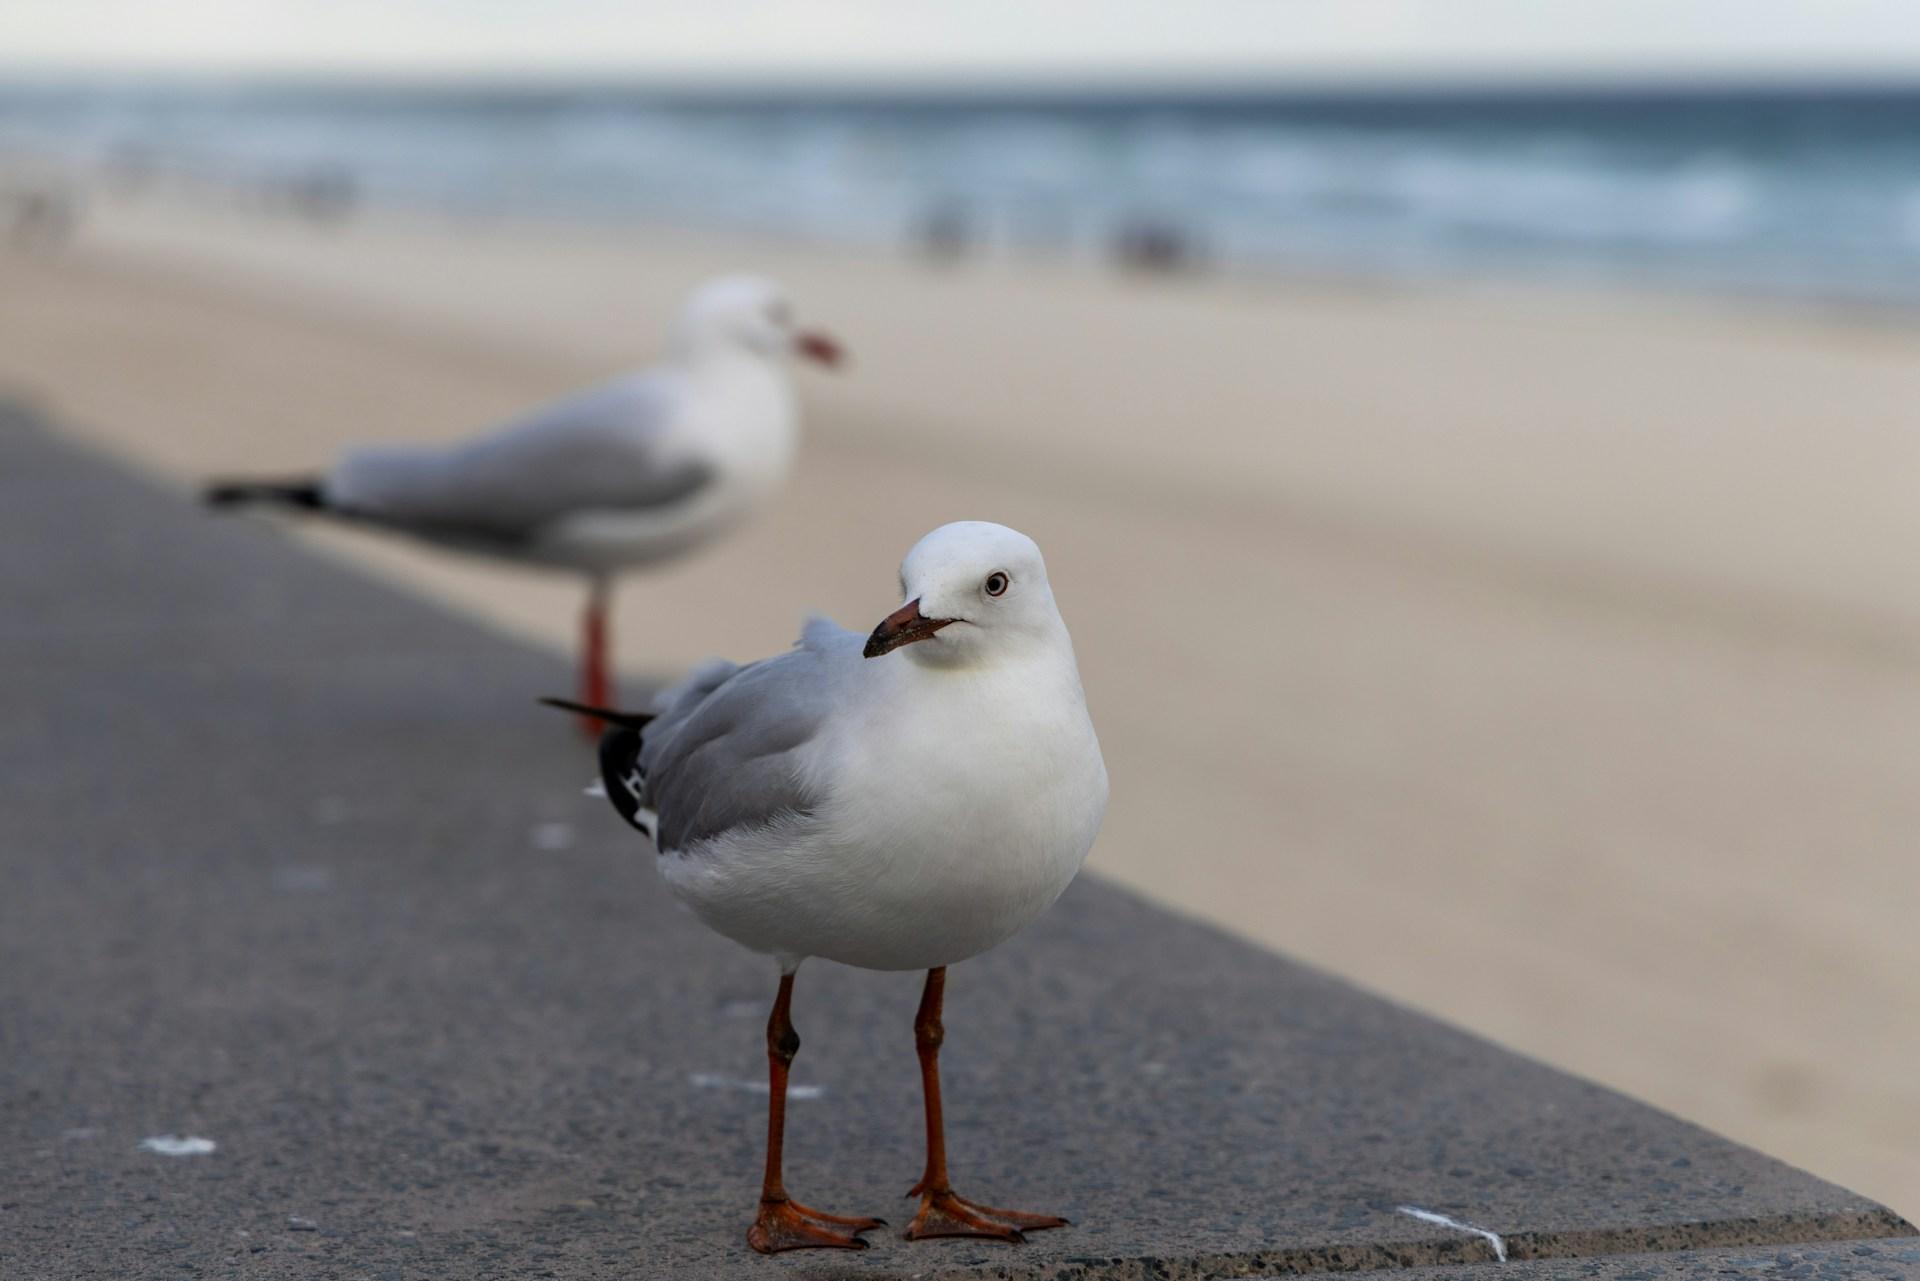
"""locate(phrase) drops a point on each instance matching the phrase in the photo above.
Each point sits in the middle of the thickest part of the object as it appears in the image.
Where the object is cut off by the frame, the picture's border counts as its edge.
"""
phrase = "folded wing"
(729, 748)
(609, 449)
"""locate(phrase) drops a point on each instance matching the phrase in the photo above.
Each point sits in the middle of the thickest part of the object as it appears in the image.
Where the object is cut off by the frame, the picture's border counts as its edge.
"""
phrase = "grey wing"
(729, 752)
(605, 449)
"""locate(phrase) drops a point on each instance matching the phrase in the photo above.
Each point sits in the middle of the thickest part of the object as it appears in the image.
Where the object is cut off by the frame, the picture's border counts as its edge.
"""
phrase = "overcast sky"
(896, 39)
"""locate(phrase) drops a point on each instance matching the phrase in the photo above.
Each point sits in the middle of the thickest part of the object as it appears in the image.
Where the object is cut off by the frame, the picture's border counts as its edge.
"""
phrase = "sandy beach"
(1547, 661)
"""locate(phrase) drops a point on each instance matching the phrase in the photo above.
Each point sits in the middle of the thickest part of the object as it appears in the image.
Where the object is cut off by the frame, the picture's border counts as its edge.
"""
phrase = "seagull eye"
(997, 583)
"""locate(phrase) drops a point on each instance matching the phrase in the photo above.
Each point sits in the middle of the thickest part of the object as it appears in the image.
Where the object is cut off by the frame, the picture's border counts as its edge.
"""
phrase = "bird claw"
(788, 1225)
(947, 1214)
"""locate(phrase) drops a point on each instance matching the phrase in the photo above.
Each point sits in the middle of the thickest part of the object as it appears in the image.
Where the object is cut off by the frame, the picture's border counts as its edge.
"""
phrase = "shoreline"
(1745, 190)
(1474, 741)
(265, 205)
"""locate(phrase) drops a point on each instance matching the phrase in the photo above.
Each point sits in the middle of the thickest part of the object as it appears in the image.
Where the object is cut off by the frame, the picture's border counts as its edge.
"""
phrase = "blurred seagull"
(643, 468)
(889, 810)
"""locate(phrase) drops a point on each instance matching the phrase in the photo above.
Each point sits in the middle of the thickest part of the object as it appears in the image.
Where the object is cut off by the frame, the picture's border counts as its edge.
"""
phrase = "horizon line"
(1178, 83)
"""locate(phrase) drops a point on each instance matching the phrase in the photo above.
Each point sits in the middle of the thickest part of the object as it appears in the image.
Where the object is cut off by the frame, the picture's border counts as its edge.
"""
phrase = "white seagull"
(640, 469)
(893, 811)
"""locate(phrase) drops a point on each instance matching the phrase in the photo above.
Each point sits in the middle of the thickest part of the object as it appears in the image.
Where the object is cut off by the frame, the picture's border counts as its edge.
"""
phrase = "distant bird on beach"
(889, 810)
(638, 470)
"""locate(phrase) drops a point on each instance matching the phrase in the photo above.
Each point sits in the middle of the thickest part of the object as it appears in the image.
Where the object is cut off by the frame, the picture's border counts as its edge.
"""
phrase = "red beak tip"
(905, 626)
(819, 347)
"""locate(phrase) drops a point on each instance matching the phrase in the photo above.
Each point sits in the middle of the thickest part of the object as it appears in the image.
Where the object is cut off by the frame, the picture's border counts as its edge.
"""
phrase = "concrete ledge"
(293, 863)
(1894, 1259)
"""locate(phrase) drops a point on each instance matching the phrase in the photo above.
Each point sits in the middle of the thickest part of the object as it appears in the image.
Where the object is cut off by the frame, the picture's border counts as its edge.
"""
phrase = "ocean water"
(1809, 192)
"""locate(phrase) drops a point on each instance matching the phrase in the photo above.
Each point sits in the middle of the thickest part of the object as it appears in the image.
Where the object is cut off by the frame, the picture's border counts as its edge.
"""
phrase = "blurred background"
(1476, 444)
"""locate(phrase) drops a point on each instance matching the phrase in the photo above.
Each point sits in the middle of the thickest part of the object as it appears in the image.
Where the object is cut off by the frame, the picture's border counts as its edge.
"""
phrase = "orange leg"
(944, 1213)
(596, 690)
(783, 1223)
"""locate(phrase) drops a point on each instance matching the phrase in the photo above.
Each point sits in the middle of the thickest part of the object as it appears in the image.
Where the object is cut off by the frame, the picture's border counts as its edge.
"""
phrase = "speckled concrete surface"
(292, 863)
(1894, 1259)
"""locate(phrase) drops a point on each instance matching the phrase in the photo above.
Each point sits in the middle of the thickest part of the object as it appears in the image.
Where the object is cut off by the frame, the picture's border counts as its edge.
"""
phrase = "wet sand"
(1549, 662)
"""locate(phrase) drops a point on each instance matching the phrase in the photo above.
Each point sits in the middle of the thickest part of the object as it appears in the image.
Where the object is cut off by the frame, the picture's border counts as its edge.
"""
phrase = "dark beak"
(903, 626)
(815, 345)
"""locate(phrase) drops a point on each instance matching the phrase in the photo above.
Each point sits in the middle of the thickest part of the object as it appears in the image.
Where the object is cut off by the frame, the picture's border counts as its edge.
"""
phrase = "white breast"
(944, 835)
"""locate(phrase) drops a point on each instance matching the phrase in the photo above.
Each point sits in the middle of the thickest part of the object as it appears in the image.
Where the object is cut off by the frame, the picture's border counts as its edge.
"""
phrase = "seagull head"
(975, 592)
(733, 314)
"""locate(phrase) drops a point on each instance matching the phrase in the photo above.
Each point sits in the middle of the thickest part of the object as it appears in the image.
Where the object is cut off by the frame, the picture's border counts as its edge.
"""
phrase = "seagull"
(896, 801)
(640, 469)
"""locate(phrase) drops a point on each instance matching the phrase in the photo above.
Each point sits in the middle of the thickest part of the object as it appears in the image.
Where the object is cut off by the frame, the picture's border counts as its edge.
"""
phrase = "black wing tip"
(303, 493)
(621, 774)
(625, 720)
(622, 777)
